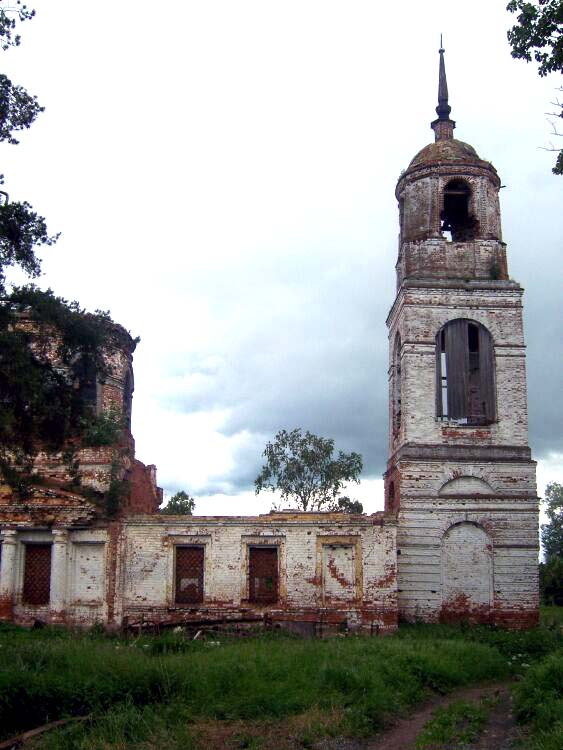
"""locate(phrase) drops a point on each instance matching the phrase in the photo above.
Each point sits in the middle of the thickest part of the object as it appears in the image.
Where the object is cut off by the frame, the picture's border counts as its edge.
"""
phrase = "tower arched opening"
(465, 378)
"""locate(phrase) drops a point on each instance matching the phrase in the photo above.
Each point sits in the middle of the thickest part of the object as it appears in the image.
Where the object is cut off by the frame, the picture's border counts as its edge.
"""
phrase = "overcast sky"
(223, 176)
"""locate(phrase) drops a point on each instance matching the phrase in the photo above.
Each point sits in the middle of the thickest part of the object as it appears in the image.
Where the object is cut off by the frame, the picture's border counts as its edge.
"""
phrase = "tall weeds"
(46, 678)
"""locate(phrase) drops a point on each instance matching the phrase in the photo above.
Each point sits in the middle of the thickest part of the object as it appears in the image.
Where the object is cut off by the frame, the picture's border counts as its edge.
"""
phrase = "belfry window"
(456, 219)
(465, 390)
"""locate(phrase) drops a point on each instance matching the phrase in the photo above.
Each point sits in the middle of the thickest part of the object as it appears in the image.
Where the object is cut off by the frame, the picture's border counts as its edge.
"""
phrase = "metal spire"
(443, 127)
(443, 109)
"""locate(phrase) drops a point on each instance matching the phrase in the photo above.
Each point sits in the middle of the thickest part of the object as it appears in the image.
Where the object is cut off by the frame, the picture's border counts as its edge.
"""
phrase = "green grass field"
(169, 692)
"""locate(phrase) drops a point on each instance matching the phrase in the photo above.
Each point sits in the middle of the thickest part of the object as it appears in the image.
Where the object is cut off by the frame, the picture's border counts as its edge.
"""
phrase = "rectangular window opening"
(263, 574)
(189, 574)
(37, 574)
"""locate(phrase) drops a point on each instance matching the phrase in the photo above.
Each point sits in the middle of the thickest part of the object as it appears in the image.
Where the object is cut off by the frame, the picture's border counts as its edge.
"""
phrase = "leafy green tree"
(538, 35)
(551, 582)
(303, 469)
(180, 504)
(346, 505)
(10, 14)
(552, 532)
(21, 228)
(551, 572)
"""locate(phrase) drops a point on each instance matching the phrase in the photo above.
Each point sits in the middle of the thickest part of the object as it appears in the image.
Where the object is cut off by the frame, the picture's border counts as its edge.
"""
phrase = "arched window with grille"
(465, 377)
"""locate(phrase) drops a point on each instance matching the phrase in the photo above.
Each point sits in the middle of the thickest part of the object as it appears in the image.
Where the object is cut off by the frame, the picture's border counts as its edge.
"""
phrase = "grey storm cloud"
(317, 361)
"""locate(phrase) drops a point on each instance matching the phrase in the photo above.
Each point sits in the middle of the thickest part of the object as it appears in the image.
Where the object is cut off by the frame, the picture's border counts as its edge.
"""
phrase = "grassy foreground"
(169, 693)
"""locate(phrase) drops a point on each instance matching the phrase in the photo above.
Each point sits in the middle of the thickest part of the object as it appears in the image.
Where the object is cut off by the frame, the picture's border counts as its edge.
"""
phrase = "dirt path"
(499, 733)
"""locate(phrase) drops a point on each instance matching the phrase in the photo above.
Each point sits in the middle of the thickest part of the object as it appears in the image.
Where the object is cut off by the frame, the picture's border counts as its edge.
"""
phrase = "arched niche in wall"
(465, 485)
(467, 574)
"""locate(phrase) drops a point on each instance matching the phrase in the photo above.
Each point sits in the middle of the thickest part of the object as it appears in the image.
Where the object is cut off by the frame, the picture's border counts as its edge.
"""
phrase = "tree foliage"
(21, 228)
(303, 469)
(10, 14)
(551, 572)
(18, 109)
(551, 582)
(180, 504)
(537, 35)
(552, 532)
(346, 505)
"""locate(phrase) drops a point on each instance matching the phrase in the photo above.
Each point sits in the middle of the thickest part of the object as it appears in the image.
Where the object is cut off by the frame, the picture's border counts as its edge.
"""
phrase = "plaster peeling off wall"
(339, 573)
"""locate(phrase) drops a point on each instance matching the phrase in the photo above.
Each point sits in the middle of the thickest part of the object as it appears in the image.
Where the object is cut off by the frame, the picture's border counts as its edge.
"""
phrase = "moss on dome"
(445, 150)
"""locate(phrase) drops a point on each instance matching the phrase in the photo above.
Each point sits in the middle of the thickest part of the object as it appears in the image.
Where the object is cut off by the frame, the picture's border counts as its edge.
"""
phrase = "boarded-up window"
(37, 574)
(263, 574)
(189, 574)
(339, 572)
(465, 389)
(88, 573)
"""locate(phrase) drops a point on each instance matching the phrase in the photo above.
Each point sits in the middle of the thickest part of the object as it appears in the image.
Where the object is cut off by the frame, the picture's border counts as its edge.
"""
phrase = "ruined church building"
(458, 539)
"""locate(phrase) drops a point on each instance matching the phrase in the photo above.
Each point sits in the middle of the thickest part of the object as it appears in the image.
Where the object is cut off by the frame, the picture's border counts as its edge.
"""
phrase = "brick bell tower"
(460, 474)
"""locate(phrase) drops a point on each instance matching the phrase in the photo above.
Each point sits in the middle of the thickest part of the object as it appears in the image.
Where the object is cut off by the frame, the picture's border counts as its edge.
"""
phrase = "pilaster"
(59, 575)
(8, 574)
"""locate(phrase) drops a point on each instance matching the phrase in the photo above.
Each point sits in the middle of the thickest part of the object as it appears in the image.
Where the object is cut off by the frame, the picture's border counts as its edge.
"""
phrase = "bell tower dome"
(460, 475)
(448, 197)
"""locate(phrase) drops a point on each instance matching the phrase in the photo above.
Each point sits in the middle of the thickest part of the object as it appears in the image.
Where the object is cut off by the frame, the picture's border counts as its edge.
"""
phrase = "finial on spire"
(443, 127)
(443, 109)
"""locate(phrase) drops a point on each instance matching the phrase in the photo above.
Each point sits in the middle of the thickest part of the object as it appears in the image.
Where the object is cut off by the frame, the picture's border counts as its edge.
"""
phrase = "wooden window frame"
(457, 377)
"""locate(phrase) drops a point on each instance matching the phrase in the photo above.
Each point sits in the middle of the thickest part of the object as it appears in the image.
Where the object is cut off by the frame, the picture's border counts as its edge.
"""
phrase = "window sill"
(445, 422)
